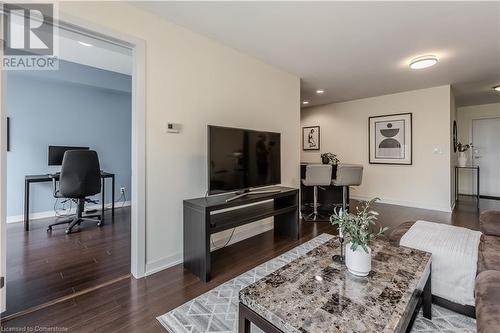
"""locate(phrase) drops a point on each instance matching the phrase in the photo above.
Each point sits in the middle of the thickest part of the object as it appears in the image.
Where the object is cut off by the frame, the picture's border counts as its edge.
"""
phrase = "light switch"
(174, 128)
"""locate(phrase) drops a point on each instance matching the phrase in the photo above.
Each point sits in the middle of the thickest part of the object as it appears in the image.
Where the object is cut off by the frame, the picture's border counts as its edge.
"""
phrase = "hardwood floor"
(45, 266)
(132, 305)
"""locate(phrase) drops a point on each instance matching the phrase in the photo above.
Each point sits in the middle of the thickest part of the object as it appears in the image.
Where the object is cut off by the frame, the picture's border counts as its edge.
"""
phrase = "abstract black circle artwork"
(390, 139)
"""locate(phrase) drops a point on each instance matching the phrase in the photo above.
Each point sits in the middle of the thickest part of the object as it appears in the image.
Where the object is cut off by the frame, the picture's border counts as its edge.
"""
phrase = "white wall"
(344, 131)
(465, 115)
(195, 81)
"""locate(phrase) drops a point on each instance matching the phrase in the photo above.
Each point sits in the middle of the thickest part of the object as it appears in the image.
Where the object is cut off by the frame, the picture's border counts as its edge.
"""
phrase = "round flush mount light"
(423, 62)
(496, 88)
(320, 91)
(305, 102)
(84, 44)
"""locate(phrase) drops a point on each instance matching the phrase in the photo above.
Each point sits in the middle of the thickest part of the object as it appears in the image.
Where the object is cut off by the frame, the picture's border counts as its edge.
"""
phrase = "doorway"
(135, 214)
(486, 154)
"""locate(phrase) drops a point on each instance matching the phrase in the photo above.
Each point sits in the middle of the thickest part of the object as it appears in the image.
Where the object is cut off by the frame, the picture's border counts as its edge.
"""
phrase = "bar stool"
(347, 175)
(317, 175)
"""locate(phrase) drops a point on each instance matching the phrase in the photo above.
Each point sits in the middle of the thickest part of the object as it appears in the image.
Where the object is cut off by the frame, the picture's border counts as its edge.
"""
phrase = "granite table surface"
(314, 294)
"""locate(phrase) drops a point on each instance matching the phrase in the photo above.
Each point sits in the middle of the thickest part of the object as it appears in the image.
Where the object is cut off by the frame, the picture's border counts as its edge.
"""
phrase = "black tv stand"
(206, 216)
(244, 193)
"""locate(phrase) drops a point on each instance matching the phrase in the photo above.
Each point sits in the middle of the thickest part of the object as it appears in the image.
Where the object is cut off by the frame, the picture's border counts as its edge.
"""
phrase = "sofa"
(487, 286)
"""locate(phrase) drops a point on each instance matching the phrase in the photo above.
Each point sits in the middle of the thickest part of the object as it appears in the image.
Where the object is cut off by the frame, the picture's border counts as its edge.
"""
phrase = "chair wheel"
(49, 229)
(99, 223)
(68, 231)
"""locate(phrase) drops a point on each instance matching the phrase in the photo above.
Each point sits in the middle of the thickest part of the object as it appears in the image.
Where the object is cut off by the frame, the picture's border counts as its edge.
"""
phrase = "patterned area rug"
(216, 311)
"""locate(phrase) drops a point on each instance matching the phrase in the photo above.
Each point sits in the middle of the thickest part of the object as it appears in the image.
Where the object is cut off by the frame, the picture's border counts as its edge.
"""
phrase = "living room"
(248, 69)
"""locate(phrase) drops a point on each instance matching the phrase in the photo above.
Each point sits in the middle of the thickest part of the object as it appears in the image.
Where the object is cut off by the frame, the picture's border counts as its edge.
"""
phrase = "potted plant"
(462, 156)
(329, 158)
(358, 227)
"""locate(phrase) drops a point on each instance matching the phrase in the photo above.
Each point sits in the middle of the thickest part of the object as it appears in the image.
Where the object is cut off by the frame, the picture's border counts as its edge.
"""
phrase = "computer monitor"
(56, 153)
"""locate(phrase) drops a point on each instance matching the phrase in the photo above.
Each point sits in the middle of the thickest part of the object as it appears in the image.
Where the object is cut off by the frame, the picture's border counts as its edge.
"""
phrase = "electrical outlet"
(122, 190)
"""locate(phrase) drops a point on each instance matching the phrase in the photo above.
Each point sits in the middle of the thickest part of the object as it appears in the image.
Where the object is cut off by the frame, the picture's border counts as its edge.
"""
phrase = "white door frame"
(3, 190)
(138, 167)
(489, 117)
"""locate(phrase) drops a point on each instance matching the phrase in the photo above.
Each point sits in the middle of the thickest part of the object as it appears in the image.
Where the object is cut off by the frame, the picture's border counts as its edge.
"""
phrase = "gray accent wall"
(75, 106)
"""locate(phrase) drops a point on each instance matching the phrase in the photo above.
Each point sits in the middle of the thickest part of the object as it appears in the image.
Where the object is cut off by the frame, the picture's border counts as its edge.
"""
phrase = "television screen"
(241, 159)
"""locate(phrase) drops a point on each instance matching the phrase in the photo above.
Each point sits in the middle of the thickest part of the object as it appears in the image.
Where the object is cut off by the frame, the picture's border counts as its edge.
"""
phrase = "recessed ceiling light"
(84, 44)
(320, 91)
(305, 102)
(496, 88)
(423, 62)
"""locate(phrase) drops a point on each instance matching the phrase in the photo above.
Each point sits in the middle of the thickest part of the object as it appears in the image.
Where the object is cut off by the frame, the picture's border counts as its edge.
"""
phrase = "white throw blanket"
(454, 258)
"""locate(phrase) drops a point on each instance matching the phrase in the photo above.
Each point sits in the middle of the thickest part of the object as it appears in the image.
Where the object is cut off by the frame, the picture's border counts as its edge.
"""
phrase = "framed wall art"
(310, 138)
(390, 139)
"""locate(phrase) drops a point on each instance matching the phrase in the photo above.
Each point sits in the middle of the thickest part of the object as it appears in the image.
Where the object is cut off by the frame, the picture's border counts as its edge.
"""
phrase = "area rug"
(216, 311)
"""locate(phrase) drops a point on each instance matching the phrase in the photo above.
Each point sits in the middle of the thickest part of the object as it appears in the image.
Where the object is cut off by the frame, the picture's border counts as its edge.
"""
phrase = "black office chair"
(80, 177)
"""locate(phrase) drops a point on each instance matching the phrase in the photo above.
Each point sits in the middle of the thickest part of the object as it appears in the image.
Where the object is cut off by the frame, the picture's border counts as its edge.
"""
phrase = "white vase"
(358, 262)
(462, 159)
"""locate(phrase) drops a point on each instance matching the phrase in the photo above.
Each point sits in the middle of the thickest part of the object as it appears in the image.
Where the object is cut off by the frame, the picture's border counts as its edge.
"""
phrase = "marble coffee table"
(313, 294)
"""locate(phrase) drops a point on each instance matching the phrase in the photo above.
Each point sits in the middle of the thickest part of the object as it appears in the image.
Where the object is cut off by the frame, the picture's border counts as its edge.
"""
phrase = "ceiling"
(355, 50)
(101, 54)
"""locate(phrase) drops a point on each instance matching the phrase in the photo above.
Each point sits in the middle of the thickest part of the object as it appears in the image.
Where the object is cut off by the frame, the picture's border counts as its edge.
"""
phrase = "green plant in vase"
(358, 227)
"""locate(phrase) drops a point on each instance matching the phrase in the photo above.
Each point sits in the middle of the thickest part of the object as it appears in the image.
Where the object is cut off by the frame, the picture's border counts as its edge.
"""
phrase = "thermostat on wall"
(173, 128)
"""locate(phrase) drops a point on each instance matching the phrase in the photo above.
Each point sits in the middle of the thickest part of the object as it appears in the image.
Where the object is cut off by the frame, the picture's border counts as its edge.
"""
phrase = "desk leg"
(103, 197)
(456, 184)
(26, 205)
(113, 196)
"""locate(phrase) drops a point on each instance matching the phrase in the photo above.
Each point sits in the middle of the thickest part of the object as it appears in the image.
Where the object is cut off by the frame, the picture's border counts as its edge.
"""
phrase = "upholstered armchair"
(489, 222)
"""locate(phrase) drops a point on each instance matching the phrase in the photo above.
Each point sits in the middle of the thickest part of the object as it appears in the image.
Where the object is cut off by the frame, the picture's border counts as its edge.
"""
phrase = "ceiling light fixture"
(84, 44)
(423, 62)
(320, 91)
(496, 88)
(305, 102)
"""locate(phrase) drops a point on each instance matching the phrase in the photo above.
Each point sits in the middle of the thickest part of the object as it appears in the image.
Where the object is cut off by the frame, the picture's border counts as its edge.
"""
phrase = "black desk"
(206, 216)
(457, 168)
(48, 178)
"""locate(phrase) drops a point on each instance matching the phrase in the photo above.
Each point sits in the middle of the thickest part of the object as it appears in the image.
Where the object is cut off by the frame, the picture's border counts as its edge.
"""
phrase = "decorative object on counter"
(390, 139)
(310, 138)
(462, 153)
(358, 227)
(329, 158)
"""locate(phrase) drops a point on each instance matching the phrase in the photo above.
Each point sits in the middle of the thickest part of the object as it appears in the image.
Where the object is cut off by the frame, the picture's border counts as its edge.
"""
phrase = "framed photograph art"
(310, 138)
(390, 139)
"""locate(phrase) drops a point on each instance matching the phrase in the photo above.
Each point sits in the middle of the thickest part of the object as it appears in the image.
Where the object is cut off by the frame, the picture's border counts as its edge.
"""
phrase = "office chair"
(80, 177)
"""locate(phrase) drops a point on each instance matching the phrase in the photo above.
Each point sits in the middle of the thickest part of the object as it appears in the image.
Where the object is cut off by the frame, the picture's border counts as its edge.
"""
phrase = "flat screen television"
(241, 159)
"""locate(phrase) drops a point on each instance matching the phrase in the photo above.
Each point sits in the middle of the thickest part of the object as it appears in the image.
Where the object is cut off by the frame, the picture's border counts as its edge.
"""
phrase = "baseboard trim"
(51, 213)
(406, 203)
(163, 263)
(239, 235)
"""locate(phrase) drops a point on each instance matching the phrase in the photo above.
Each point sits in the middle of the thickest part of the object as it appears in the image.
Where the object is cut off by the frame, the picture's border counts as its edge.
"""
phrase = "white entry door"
(486, 154)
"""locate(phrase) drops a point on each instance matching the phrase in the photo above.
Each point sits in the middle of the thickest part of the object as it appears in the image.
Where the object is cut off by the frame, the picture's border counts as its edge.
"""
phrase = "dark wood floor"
(42, 266)
(132, 305)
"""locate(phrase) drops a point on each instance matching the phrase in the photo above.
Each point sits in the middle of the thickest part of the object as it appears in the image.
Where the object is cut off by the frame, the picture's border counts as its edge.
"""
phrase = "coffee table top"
(314, 294)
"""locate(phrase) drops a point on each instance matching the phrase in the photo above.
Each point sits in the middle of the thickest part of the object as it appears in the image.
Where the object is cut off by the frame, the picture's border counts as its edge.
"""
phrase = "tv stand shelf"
(206, 216)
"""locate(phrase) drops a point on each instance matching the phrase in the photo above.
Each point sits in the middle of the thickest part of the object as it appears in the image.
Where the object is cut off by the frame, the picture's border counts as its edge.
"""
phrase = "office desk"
(48, 178)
